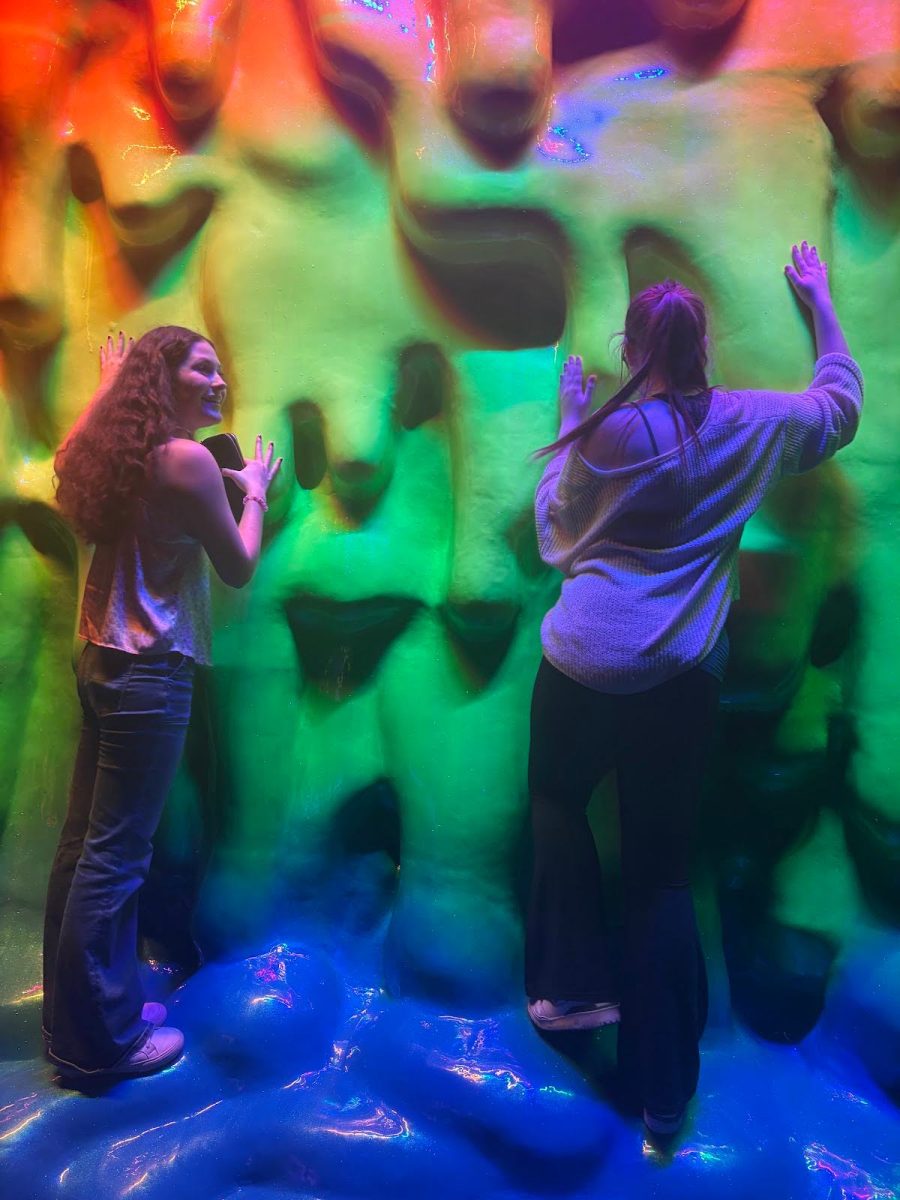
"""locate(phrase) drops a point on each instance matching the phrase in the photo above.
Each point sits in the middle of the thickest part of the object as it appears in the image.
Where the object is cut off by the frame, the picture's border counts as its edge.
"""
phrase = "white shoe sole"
(146, 1060)
(589, 1018)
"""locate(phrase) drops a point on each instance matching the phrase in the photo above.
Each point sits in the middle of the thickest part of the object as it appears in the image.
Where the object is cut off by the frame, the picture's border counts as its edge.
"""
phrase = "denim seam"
(126, 683)
(135, 1045)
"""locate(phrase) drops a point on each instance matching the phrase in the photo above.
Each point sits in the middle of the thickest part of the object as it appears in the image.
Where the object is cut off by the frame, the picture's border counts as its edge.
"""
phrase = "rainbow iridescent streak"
(405, 18)
(643, 74)
(850, 1181)
(565, 143)
(272, 967)
(391, 11)
(361, 1118)
(477, 1057)
(559, 145)
(706, 1155)
(17, 1116)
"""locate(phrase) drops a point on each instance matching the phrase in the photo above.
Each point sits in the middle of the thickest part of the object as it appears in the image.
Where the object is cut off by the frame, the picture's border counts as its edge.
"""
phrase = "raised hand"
(258, 472)
(112, 354)
(809, 275)
(809, 279)
(575, 394)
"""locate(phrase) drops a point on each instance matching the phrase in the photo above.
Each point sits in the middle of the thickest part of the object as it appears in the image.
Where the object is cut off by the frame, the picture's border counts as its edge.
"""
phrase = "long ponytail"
(666, 325)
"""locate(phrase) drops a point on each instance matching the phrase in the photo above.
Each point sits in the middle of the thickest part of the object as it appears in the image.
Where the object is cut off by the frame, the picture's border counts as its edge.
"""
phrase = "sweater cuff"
(840, 360)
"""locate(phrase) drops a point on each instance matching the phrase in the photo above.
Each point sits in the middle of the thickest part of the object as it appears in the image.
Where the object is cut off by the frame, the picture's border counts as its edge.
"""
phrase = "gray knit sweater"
(650, 551)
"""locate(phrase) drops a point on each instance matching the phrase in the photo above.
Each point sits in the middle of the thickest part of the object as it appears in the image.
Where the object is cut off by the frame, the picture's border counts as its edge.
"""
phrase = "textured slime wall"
(392, 217)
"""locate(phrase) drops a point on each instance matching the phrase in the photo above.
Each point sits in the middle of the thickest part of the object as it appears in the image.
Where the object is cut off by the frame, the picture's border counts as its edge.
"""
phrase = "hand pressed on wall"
(575, 394)
(808, 275)
(113, 353)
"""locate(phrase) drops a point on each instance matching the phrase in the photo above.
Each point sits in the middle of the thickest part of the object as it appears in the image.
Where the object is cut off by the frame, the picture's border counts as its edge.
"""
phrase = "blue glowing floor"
(296, 1085)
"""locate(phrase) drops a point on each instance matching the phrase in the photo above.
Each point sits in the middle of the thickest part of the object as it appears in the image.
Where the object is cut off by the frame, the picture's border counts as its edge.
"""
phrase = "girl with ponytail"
(664, 345)
(132, 480)
(641, 509)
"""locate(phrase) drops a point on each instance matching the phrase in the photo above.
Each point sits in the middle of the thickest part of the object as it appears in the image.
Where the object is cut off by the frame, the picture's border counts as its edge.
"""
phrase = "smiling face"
(200, 389)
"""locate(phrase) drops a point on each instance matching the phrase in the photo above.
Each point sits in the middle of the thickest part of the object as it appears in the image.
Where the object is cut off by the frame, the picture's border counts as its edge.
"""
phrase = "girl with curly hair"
(641, 507)
(132, 480)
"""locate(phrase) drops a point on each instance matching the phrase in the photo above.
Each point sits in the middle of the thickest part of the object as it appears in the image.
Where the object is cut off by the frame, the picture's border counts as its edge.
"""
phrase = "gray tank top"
(148, 593)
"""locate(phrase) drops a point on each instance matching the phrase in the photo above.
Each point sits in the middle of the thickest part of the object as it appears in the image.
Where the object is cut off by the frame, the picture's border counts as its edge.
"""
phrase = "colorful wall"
(394, 217)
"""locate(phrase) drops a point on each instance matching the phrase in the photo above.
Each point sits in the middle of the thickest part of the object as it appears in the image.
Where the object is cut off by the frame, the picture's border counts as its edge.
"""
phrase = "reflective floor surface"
(298, 1084)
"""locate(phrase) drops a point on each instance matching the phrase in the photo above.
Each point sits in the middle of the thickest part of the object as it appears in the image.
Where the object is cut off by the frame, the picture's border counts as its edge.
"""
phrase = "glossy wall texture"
(393, 217)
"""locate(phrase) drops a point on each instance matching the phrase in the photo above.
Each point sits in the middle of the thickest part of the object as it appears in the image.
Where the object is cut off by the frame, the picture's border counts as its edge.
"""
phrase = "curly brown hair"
(101, 468)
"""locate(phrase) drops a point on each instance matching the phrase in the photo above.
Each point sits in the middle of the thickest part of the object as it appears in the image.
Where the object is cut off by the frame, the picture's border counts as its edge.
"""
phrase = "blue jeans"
(136, 710)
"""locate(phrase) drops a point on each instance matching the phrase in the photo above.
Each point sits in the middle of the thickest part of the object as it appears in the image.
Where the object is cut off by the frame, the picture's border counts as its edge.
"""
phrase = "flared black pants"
(658, 742)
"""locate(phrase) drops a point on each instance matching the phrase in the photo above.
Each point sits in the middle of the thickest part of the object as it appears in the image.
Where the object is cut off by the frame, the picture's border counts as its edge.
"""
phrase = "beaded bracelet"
(260, 500)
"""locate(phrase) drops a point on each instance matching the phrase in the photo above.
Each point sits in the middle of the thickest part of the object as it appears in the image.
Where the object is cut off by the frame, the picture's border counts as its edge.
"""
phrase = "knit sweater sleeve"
(565, 507)
(824, 418)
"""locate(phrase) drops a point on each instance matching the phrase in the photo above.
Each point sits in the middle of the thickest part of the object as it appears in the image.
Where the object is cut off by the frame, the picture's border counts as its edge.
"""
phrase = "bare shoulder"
(620, 420)
(636, 433)
(184, 465)
(616, 441)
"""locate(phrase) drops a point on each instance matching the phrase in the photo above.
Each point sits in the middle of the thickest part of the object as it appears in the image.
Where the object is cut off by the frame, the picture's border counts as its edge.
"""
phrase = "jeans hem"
(73, 1068)
(582, 996)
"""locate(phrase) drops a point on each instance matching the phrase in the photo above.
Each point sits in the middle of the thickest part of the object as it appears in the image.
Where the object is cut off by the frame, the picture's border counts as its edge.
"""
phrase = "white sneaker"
(573, 1014)
(162, 1048)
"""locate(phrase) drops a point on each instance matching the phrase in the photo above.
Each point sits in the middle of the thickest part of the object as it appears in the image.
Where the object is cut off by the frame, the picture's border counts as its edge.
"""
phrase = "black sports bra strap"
(647, 425)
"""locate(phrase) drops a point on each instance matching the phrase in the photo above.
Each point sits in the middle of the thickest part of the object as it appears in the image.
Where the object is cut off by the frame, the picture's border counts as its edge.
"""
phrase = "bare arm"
(830, 337)
(826, 416)
(191, 472)
(808, 275)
